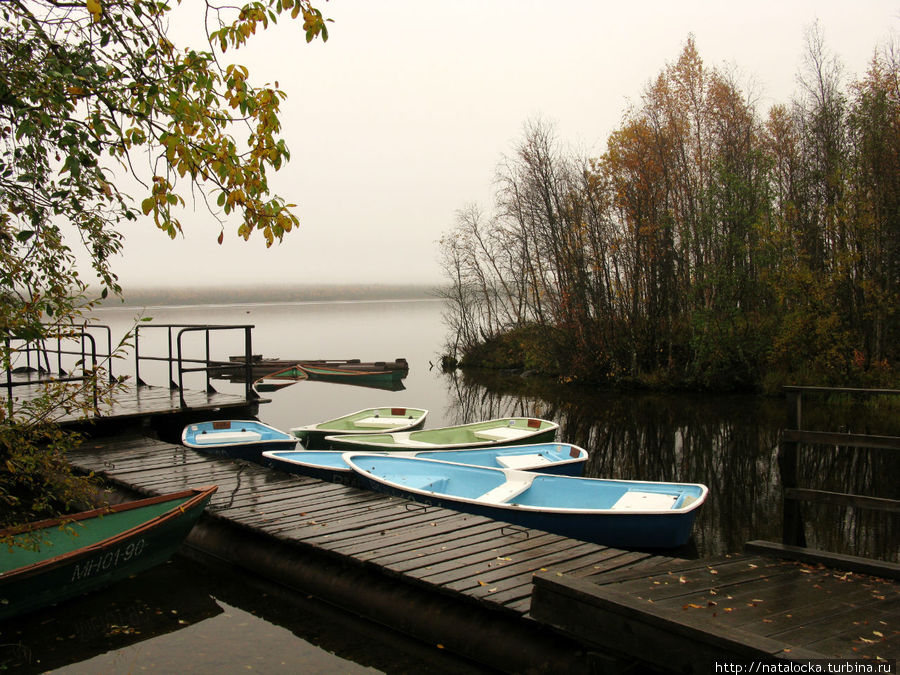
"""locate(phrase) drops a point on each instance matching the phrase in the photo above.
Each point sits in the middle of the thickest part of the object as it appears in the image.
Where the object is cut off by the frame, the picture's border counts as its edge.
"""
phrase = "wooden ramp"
(474, 573)
(743, 608)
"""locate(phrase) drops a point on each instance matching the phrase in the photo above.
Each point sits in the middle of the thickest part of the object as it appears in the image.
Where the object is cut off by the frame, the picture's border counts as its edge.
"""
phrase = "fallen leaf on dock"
(682, 580)
(691, 605)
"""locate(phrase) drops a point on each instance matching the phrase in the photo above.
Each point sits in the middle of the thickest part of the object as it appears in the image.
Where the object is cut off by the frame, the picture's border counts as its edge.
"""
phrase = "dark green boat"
(61, 558)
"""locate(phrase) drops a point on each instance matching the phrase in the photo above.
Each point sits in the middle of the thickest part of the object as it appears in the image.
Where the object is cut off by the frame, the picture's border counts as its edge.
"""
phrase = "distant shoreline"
(140, 297)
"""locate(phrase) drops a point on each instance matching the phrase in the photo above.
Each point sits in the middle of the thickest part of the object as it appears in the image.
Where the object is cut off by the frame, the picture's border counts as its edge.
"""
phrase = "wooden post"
(792, 532)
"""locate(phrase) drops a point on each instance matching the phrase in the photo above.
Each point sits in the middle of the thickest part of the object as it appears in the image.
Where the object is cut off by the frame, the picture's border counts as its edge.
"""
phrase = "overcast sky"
(401, 118)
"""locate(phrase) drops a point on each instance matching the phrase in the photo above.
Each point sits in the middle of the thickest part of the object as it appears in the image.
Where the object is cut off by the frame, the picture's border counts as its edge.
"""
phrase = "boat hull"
(567, 516)
(490, 433)
(560, 459)
(236, 439)
(153, 530)
(362, 422)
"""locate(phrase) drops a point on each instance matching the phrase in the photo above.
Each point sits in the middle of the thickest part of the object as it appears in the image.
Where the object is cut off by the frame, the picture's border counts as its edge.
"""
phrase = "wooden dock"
(135, 402)
(515, 599)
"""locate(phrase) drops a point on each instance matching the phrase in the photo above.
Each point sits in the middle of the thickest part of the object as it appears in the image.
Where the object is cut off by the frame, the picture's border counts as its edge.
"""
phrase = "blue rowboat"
(239, 439)
(557, 458)
(53, 560)
(368, 421)
(619, 513)
(488, 433)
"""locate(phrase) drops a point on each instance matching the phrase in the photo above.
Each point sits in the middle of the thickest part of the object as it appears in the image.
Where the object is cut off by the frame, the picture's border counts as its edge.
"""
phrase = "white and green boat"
(362, 422)
(501, 431)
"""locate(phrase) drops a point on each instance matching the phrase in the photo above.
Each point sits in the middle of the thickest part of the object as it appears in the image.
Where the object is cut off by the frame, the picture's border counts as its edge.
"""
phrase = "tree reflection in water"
(729, 443)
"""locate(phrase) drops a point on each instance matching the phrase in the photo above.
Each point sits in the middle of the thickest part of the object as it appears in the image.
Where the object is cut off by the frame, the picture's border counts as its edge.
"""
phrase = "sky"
(401, 118)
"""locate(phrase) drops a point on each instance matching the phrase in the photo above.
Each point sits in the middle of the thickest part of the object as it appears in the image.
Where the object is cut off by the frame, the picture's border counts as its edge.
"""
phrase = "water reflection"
(187, 617)
(730, 443)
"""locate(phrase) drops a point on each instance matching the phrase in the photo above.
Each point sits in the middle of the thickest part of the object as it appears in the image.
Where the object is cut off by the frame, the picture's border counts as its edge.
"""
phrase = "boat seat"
(379, 422)
(506, 491)
(522, 461)
(227, 437)
(503, 434)
(635, 500)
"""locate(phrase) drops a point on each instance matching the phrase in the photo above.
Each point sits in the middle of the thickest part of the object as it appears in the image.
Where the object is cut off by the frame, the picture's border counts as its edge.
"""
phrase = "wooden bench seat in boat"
(520, 461)
(227, 437)
(503, 434)
(506, 491)
(650, 501)
(380, 422)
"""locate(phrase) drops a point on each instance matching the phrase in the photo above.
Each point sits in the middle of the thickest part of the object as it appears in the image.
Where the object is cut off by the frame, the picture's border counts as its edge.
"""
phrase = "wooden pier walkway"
(133, 402)
(515, 599)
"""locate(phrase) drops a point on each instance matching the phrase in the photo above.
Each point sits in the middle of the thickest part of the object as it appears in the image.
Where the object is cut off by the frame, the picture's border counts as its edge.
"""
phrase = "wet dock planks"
(707, 612)
(630, 605)
(443, 550)
(135, 402)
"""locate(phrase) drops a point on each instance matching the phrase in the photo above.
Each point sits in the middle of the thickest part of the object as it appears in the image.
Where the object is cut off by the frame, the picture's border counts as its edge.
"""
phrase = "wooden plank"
(522, 571)
(449, 542)
(467, 568)
(679, 642)
(436, 533)
(616, 560)
(842, 439)
(843, 499)
(878, 568)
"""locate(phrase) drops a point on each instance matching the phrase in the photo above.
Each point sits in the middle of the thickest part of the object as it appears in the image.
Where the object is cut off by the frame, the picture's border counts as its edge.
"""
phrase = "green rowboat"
(362, 422)
(502, 431)
(53, 560)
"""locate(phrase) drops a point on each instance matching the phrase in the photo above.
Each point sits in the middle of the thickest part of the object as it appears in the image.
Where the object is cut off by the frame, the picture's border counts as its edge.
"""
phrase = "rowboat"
(355, 371)
(502, 431)
(368, 421)
(619, 513)
(269, 374)
(557, 458)
(57, 559)
(239, 439)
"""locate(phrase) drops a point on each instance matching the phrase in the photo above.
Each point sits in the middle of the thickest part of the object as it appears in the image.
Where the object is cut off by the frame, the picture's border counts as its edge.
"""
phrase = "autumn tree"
(95, 95)
(709, 246)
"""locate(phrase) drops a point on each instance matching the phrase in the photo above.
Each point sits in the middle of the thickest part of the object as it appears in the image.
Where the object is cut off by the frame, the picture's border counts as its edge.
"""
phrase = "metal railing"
(794, 435)
(179, 364)
(37, 355)
(40, 354)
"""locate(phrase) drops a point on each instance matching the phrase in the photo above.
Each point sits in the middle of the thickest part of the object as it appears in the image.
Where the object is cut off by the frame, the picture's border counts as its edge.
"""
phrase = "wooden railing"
(794, 435)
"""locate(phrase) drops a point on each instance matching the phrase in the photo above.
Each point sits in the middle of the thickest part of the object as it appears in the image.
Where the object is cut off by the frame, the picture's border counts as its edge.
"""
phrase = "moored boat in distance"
(355, 371)
(367, 421)
(496, 432)
(53, 560)
(556, 458)
(239, 439)
(618, 513)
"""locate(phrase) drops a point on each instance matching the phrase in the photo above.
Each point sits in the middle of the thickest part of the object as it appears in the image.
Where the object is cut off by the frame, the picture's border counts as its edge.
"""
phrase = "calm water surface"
(727, 442)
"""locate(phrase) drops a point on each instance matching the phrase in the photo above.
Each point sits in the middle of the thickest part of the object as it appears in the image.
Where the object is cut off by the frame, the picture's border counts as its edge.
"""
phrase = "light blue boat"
(556, 458)
(240, 439)
(618, 513)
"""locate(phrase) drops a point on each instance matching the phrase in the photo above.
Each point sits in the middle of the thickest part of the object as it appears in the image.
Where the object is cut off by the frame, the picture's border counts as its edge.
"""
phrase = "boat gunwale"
(193, 497)
(516, 473)
(414, 454)
(365, 440)
(319, 426)
(286, 437)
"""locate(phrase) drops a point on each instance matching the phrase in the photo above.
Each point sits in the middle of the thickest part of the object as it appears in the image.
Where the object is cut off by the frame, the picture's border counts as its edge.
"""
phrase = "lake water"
(727, 442)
